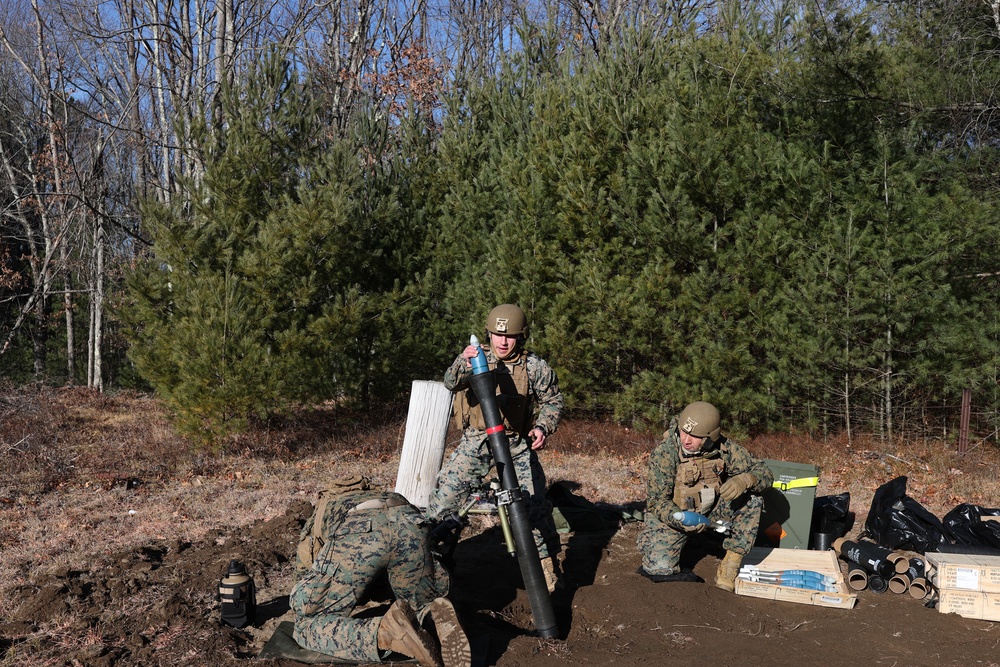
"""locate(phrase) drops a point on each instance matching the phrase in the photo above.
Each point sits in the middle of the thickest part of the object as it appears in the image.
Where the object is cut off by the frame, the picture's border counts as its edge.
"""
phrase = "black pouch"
(237, 596)
(831, 518)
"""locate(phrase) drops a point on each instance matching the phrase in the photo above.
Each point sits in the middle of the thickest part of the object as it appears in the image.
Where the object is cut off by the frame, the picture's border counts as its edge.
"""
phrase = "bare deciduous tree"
(132, 79)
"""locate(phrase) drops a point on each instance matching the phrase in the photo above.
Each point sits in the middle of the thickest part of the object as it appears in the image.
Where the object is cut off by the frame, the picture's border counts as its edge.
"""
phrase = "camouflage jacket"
(665, 458)
(542, 382)
(332, 509)
(337, 509)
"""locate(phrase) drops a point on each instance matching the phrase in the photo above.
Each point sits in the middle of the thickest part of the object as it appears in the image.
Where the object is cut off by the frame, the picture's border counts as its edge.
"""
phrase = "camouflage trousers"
(367, 544)
(661, 544)
(471, 462)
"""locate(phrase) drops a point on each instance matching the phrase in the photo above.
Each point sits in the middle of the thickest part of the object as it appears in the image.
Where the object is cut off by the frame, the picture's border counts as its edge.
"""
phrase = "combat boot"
(455, 649)
(400, 632)
(725, 576)
(553, 576)
(675, 575)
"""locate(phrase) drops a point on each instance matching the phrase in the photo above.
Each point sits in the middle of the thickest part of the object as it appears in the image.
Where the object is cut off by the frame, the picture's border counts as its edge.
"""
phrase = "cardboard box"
(963, 572)
(824, 562)
(970, 604)
(786, 520)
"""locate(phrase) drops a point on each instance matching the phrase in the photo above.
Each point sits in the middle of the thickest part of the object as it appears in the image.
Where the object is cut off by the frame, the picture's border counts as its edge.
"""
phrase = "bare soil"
(150, 601)
(607, 615)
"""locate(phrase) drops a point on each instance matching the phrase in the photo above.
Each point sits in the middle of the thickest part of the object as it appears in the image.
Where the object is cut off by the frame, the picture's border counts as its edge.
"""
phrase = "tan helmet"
(701, 420)
(507, 320)
(350, 484)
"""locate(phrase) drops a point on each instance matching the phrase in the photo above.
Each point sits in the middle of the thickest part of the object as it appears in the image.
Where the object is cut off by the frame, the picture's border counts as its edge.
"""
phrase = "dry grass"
(90, 474)
(938, 477)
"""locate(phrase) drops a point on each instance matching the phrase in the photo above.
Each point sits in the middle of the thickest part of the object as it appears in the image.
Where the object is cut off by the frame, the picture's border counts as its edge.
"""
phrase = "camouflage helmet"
(701, 420)
(350, 484)
(507, 320)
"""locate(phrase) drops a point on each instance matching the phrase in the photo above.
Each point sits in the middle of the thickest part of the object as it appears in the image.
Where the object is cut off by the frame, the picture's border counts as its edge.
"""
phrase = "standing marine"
(531, 405)
(356, 537)
(696, 468)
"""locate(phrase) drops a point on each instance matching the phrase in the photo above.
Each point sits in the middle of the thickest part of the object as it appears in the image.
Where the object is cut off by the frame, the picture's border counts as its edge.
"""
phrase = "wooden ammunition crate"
(824, 562)
(963, 572)
(970, 604)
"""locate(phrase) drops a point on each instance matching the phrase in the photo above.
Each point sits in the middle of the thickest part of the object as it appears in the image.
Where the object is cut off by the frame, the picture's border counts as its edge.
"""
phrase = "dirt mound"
(155, 606)
(106, 587)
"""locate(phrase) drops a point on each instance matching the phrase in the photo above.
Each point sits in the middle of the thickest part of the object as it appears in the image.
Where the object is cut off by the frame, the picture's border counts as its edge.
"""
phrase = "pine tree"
(208, 316)
(739, 216)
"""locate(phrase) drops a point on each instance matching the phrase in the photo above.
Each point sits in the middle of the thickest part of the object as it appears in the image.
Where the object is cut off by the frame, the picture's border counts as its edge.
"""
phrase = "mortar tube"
(899, 583)
(857, 579)
(916, 569)
(918, 588)
(870, 556)
(484, 385)
(877, 584)
(900, 561)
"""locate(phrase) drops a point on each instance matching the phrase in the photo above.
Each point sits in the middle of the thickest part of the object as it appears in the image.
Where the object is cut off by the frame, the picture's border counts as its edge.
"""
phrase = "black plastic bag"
(967, 526)
(897, 521)
(832, 514)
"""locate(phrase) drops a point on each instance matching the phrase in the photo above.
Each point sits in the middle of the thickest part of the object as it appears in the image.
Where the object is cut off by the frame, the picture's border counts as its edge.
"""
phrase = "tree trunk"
(847, 406)
(97, 378)
(887, 387)
(90, 332)
(70, 328)
(39, 335)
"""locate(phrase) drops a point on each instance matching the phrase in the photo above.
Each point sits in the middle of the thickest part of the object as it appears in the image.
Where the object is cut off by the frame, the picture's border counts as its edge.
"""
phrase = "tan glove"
(734, 487)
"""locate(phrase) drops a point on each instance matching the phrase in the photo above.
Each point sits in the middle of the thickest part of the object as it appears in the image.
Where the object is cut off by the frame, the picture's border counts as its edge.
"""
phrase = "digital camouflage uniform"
(472, 459)
(359, 546)
(662, 537)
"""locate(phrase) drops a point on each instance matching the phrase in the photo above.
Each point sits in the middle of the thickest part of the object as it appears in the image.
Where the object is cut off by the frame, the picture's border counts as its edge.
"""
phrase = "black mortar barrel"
(484, 386)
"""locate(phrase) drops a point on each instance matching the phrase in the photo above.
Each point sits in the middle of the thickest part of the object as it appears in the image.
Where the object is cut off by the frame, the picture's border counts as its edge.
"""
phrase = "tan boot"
(553, 576)
(455, 649)
(400, 632)
(725, 576)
